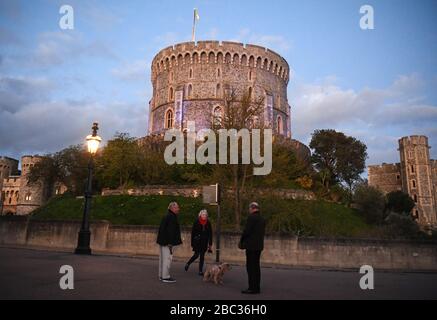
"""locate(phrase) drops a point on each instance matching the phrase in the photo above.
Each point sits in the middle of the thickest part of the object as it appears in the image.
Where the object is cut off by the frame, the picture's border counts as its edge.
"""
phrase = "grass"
(305, 218)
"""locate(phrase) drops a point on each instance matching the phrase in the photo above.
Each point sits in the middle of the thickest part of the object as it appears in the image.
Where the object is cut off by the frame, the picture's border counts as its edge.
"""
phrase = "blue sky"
(377, 85)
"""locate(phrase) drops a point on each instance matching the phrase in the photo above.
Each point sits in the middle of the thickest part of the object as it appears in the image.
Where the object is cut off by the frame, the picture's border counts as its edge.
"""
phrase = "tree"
(337, 157)
(371, 203)
(119, 163)
(67, 166)
(399, 202)
(239, 112)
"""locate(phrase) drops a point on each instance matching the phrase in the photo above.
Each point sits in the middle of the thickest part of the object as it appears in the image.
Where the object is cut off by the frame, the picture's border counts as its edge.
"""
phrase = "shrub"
(371, 203)
(399, 202)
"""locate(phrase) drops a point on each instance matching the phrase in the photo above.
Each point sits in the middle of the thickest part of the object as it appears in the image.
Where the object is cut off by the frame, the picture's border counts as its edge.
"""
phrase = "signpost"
(211, 196)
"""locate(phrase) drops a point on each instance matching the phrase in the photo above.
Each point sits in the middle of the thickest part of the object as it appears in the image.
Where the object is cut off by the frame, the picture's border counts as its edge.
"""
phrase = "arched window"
(218, 116)
(220, 57)
(191, 73)
(250, 75)
(228, 58)
(169, 119)
(189, 91)
(244, 60)
(28, 197)
(280, 125)
(218, 90)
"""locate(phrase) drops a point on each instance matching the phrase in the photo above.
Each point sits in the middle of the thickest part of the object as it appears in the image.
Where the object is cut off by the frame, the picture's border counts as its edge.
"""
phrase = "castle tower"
(8, 167)
(417, 177)
(191, 79)
(31, 195)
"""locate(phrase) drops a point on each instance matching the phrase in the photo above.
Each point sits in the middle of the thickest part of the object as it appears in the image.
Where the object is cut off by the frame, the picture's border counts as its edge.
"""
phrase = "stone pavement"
(34, 274)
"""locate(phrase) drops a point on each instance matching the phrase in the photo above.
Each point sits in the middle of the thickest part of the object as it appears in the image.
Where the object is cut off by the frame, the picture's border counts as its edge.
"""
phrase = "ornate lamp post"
(83, 243)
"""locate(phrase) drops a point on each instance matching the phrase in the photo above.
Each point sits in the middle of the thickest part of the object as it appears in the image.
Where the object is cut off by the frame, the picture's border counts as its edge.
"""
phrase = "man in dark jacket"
(169, 236)
(253, 241)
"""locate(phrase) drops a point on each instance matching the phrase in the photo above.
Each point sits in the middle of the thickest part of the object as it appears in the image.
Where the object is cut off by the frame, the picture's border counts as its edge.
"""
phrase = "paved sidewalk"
(34, 274)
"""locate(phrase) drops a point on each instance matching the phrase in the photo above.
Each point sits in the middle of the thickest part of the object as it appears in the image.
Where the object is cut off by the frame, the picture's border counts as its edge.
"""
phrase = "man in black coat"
(253, 241)
(169, 236)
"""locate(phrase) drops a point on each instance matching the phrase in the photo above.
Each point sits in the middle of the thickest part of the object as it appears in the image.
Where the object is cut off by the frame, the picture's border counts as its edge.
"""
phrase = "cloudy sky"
(376, 85)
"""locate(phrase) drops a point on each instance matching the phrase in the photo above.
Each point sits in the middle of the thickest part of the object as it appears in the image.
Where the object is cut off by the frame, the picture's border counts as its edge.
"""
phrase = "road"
(34, 274)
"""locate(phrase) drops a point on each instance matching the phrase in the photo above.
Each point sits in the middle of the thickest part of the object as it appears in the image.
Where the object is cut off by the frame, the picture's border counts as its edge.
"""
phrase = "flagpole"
(193, 35)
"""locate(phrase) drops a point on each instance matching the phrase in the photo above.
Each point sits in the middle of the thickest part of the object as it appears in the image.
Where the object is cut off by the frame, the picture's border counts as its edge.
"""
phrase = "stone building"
(17, 195)
(190, 81)
(416, 175)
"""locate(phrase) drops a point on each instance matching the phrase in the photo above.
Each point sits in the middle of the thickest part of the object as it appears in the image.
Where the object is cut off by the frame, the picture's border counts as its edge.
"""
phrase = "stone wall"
(196, 191)
(279, 250)
(386, 177)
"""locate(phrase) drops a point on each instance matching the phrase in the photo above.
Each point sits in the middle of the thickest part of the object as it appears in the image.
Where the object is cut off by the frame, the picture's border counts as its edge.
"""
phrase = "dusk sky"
(377, 85)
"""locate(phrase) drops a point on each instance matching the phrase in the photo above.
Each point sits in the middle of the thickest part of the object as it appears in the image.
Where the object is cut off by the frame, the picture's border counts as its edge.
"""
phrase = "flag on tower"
(196, 17)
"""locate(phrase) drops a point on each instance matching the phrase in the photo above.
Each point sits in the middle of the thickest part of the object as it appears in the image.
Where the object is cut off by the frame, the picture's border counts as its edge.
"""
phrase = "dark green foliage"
(371, 203)
(399, 202)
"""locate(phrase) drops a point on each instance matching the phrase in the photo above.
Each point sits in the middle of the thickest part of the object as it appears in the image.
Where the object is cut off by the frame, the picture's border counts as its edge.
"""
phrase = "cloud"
(275, 42)
(378, 117)
(132, 71)
(51, 126)
(16, 92)
(56, 48)
(34, 122)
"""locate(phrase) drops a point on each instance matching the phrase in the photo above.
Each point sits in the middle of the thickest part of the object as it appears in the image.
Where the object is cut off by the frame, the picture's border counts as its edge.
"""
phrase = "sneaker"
(168, 280)
(200, 273)
(186, 267)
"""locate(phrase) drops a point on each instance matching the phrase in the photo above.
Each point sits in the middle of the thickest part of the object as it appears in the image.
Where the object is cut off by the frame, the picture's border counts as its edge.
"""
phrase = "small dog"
(214, 273)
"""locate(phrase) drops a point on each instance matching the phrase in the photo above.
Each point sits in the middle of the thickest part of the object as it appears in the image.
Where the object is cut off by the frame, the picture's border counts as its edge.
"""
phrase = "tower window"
(191, 73)
(218, 72)
(412, 169)
(169, 119)
(414, 183)
(218, 91)
(170, 94)
(218, 116)
(28, 197)
(415, 198)
(279, 125)
(398, 177)
(250, 75)
(189, 90)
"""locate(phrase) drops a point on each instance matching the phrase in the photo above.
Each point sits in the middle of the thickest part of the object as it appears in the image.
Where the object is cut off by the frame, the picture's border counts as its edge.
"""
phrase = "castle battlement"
(384, 168)
(414, 139)
(216, 52)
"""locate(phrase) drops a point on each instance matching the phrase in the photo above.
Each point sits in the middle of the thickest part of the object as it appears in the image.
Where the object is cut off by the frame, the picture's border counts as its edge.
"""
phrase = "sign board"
(211, 194)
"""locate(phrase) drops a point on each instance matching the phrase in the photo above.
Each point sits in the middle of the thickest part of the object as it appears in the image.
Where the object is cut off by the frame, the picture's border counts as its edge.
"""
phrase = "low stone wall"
(279, 250)
(196, 191)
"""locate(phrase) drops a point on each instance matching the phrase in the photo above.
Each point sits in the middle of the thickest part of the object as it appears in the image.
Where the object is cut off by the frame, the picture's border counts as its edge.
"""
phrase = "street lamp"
(83, 243)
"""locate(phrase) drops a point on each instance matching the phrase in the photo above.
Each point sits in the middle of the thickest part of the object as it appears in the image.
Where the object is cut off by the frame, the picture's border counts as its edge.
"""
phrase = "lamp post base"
(83, 243)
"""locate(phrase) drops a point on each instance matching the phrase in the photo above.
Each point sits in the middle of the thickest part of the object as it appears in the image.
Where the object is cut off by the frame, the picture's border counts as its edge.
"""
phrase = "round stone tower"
(190, 80)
